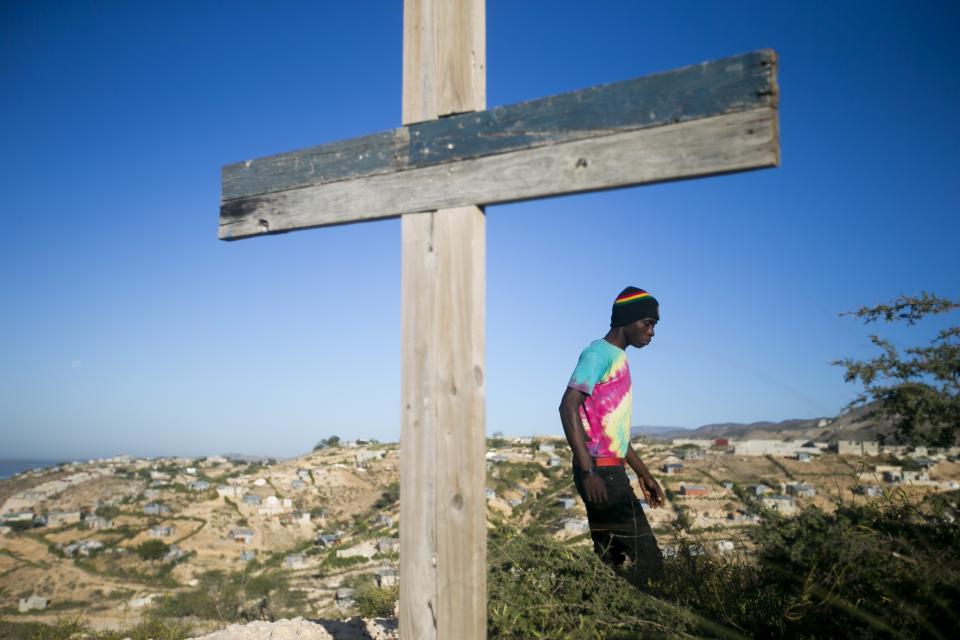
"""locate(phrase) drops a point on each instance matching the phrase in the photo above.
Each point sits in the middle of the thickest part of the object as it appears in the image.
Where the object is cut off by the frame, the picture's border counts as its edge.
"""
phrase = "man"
(595, 412)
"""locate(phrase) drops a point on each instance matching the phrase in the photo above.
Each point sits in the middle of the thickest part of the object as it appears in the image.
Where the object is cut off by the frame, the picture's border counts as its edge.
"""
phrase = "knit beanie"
(633, 304)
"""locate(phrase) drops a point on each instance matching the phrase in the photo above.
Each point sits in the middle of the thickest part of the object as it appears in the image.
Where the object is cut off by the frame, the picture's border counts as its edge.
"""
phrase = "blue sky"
(128, 327)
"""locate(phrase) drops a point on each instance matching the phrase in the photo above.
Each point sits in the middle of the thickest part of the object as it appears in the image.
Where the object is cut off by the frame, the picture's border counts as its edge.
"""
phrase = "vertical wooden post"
(442, 440)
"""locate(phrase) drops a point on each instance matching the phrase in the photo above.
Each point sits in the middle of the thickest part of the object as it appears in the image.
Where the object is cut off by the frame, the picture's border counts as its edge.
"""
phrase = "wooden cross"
(451, 157)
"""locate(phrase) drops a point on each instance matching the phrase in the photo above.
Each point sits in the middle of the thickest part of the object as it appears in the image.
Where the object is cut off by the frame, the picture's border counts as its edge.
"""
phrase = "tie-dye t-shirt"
(604, 375)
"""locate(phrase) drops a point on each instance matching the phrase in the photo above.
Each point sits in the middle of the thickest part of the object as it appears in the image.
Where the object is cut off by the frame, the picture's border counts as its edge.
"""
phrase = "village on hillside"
(112, 538)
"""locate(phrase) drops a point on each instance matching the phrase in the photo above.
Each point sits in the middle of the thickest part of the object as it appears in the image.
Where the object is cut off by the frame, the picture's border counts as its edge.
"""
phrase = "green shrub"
(375, 602)
(73, 628)
(153, 549)
(388, 498)
(883, 569)
(540, 588)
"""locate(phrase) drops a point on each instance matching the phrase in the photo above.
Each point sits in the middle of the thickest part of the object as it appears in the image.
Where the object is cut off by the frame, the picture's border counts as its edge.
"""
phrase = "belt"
(608, 462)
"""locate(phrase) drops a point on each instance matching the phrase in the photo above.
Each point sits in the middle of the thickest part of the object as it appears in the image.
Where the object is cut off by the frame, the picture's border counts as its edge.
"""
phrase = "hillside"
(850, 425)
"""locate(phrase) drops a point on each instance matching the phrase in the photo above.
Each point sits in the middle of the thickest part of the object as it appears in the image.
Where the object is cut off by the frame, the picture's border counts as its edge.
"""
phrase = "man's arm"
(652, 492)
(577, 439)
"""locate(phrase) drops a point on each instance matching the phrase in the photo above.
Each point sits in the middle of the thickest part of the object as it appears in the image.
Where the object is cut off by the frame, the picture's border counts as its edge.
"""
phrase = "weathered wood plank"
(421, 94)
(418, 429)
(738, 83)
(442, 508)
(723, 144)
(460, 246)
(461, 65)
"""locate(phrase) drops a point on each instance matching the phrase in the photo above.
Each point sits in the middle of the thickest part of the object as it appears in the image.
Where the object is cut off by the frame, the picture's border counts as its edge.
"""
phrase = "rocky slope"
(300, 629)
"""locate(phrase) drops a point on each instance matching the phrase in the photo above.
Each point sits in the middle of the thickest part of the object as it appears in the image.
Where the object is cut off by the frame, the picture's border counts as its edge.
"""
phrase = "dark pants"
(619, 527)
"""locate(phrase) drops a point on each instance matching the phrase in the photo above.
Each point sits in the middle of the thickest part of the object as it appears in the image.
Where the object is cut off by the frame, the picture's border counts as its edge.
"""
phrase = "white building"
(388, 545)
(32, 603)
(854, 448)
(387, 577)
(97, 523)
(772, 448)
(243, 535)
(162, 531)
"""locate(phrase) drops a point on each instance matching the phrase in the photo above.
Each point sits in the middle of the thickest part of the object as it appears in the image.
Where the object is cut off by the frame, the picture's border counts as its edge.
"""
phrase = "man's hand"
(595, 489)
(652, 492)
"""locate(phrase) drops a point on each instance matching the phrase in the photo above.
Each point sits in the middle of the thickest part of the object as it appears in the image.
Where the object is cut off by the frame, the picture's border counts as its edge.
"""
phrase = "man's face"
(639, 333)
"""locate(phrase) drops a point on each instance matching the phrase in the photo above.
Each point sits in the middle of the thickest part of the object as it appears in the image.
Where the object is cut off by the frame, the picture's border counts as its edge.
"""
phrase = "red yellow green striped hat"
(633, 304)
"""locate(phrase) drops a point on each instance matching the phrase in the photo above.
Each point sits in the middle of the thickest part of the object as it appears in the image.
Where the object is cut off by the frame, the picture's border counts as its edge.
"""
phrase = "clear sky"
(126, 326)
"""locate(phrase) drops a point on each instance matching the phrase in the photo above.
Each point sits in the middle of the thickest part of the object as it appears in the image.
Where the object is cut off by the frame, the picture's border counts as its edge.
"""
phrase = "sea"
(12, 467)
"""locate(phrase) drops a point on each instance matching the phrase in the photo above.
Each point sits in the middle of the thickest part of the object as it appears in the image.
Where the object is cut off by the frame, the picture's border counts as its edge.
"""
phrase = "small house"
(870, 490)
(328, 539)
(18, 516)
(241, 535)
(382, 520)
(248, 555)
(96, 523)
(915, 475)
(801, 490)
(693, 490)
(155, 509)
(387, 577)
(690, 453)
(388, 545)
(673, 469)
(760, 490)
(547, 447)
(782, 504)
(362, 457)
(295, 561)
(297, 484)
(162, 531)
(567, 503)
(228, 491)
(83, 548)
(804, 456)
(199, 485)
(252, 500)
(33, 603)
(553, 461)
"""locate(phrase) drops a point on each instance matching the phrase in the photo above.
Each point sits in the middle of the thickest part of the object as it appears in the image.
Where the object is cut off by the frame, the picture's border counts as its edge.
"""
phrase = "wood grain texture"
(462, 56)
(738, 83)
(442, 444)
(421, 95)
(418, 429)
(722, 144)
(460, 246)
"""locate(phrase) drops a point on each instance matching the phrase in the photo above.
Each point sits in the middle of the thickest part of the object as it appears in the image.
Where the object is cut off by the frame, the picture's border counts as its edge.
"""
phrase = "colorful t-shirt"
(604, 375)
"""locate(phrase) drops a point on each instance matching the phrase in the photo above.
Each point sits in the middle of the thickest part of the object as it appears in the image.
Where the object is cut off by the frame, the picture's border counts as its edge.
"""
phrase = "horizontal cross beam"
(712, 118)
